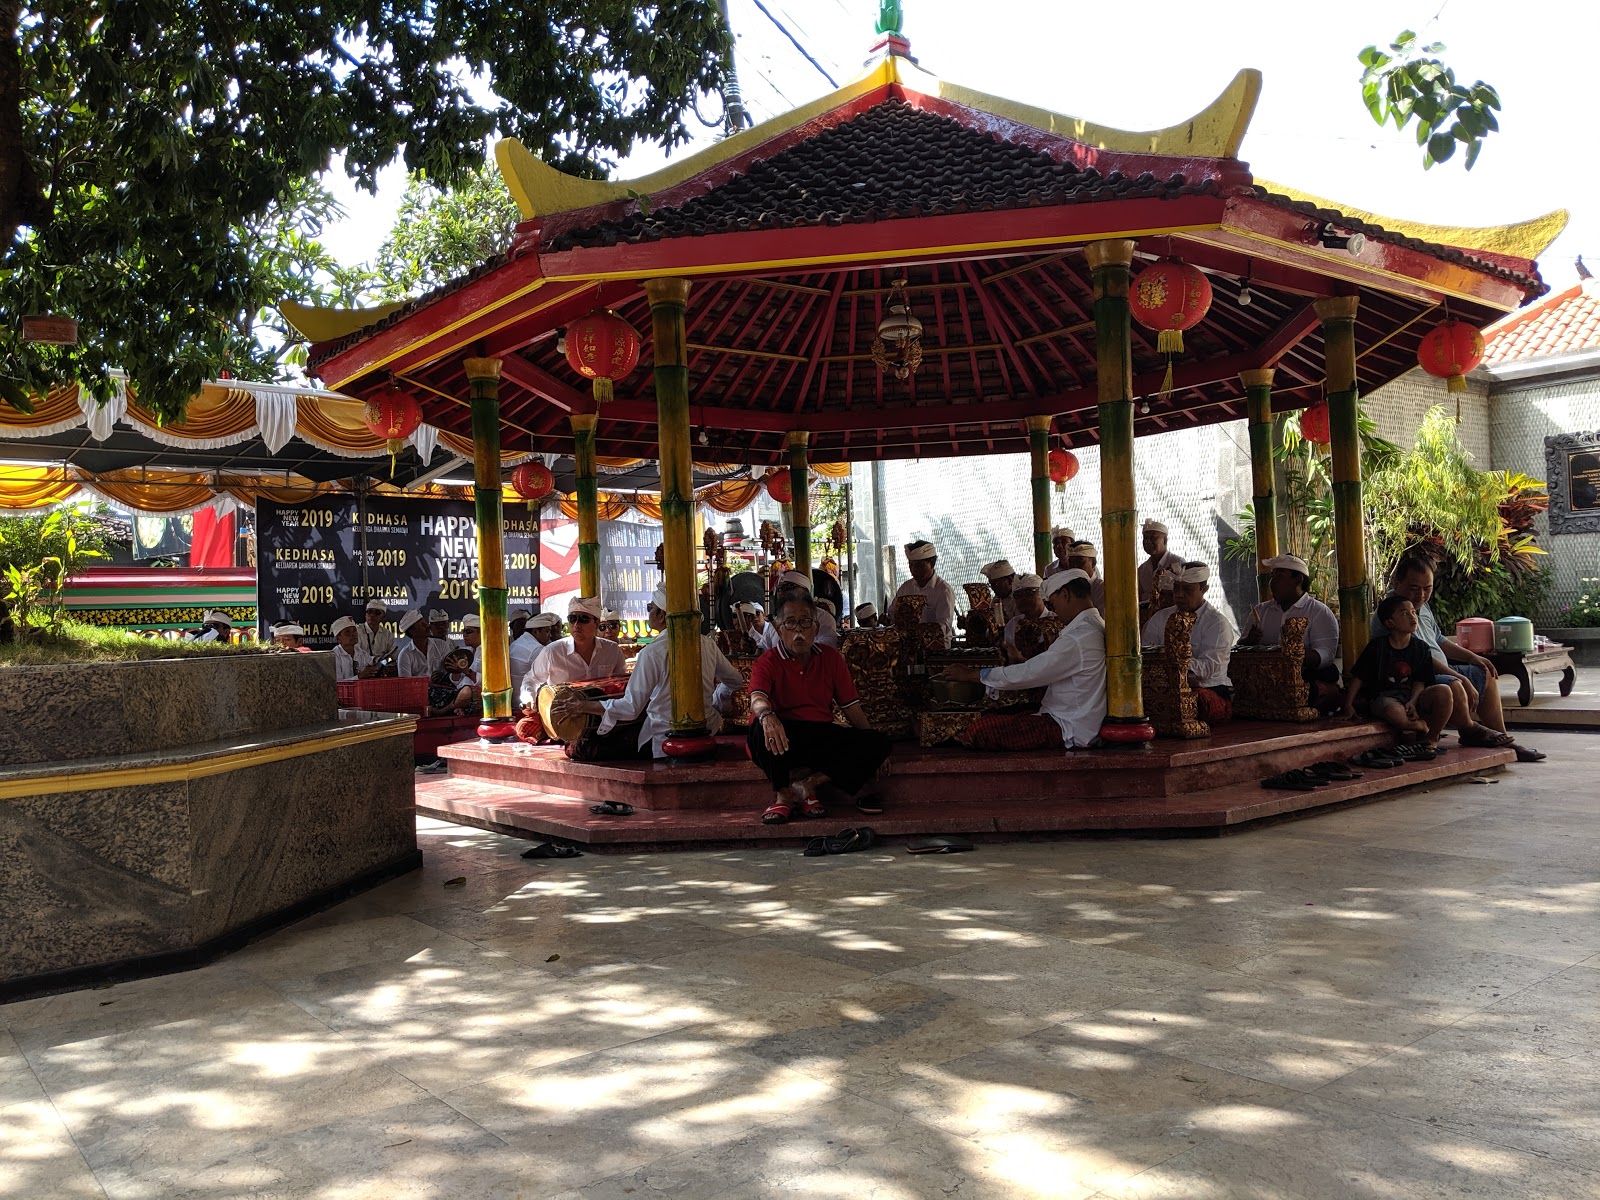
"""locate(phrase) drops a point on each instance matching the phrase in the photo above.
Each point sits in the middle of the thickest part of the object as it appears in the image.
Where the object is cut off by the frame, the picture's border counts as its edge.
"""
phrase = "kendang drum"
(566, 726)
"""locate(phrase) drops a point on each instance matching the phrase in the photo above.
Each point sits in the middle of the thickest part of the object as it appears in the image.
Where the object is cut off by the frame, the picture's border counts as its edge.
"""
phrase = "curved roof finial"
(890, 18)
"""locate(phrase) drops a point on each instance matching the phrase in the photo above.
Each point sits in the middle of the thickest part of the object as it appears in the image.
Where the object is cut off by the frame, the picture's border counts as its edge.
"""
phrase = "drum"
(571, 726)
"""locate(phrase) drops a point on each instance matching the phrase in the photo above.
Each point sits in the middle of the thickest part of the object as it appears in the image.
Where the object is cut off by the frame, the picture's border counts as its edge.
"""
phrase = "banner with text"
(324, 559)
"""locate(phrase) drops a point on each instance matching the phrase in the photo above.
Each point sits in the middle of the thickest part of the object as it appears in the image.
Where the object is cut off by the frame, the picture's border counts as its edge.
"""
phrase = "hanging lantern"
(393, 415)
(897, 348)
(1169, 296)
(533, 482)
(1314, 423)
(1449, 351)
(779, 487)
(602, 347)
(1063, 467)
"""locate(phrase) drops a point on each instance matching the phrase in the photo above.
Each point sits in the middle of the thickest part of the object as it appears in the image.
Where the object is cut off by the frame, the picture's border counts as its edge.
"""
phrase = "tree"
(1408, 82)
(440, 233)
(140, 142)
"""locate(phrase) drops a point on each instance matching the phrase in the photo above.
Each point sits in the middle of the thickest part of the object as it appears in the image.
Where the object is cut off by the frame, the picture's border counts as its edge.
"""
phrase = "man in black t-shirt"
(1393, 677)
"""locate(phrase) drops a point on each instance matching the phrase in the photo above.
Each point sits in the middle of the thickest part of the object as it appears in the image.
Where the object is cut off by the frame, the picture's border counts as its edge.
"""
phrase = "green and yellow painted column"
(1258, 396)
(1039, 481)
(483, 377)
(1109, 262)
(588, 492)
(800, 502)
(669, 299)
(1338, 315)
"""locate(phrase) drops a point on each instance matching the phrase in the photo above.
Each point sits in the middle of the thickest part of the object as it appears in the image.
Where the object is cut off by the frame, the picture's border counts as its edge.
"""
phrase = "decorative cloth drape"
(27, 489)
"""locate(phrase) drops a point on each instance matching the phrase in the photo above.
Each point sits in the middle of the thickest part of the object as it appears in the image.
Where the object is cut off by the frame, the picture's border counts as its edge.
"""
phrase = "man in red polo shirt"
(793, 688)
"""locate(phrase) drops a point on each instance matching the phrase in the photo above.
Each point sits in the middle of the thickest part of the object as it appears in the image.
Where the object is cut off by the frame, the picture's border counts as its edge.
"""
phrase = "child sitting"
(1395, 673)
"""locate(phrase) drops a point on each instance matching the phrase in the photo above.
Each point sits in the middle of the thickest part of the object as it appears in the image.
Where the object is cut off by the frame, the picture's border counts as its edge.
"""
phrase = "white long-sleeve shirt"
(827, 629)
(347, 665)
(649, 695)
(1072, 672)
(523, 651)
(412, 661)
(377, 643)
(1210, 642)
(1150, 574)
(1322, 627)
(560, 662)
(940, 608)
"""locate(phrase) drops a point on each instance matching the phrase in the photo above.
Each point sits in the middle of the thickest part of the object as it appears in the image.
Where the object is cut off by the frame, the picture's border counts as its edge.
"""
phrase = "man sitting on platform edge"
(793, 739)
(1210, 641)
(1291, 578)
(1072, 671)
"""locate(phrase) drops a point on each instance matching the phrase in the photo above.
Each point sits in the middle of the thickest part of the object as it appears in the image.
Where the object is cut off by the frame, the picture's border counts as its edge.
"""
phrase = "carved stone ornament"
(1572, 467)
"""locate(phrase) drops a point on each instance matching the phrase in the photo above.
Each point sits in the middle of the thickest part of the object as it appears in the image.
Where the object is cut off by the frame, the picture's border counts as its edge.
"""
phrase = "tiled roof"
(891, 161)
(1563, 323)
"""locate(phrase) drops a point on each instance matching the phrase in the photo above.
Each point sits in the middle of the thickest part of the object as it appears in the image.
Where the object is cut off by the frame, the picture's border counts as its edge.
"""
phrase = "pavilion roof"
(793, 231)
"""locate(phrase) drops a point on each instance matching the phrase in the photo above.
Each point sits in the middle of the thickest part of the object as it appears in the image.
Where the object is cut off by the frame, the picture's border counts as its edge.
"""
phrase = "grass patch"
(74, 642)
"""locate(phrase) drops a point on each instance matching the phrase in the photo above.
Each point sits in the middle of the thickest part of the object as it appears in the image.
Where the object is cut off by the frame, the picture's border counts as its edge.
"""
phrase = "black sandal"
(1377, 759)
(1333, 771)
(551, 850)
(611, 808)
(842, 842)
(939, 845)
(1414, 752)
(1292, 781)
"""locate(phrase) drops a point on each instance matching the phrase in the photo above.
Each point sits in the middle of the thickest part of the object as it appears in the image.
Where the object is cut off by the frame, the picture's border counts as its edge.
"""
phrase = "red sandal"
(777, 813)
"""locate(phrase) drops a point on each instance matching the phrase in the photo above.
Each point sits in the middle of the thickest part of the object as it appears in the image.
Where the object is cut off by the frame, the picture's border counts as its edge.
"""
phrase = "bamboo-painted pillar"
(483, 377)
(1258, 396)
(1338, 315)
(1109, 262)
(1039, 463)
(669, 300)
(800, 504)
(588, 488)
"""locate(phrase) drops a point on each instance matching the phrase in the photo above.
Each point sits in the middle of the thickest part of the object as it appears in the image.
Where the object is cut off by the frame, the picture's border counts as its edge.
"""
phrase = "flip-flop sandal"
(1486, 741)
(1411, 752)
(1289, 781)
(870, 805)
(1331, 770)
(939, 845)
(551, 850)
(1377, 760)
(1528, 753)
(777, 813)
(611, 808)
(842, 842)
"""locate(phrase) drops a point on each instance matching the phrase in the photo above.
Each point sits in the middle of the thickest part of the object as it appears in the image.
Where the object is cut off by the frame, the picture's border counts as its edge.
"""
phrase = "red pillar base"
(690, 745)
(1125, 734)
(497, 731)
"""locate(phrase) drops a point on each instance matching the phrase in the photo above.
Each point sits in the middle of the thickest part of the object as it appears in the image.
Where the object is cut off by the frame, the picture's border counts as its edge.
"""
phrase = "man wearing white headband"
(638, 722)
(472, 639)
(439, 624)
(1158, 559)
(582, 655)
(1072, 672)
(1210, 641)
(215, 626)
(372, 638)
(1291, 578)
(789, 583)
(1029, 597)
(1061, 539)
(922, 560)
(866, 616)
(527, 641)
(350, 661)
(752, 621)
(421, 652)
(289, 636)
(1084, 556)
(1002, 577)
(610, 623)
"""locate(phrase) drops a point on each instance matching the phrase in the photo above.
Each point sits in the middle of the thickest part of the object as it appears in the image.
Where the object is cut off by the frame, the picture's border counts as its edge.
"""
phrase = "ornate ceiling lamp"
(898, 346)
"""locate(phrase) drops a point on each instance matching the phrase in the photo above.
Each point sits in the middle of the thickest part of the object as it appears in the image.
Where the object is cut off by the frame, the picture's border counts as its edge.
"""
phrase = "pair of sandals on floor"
(1309, 779)
(801, 797)
(1483, 737)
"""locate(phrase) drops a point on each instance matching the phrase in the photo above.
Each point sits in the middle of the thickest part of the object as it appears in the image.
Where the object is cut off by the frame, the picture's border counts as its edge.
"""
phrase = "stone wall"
(1398, 409)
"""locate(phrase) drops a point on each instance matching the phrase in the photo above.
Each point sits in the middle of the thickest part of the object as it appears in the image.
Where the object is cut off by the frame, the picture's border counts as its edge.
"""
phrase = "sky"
(1153, 64)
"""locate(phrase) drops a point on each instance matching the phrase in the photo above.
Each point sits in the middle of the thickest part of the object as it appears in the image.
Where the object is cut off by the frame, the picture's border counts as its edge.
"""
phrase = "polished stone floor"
(1394, 1001)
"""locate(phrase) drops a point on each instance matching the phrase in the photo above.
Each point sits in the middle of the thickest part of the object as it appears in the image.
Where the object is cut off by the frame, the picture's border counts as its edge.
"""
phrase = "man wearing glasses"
(611, 624)
(793, 739)
(583, 654)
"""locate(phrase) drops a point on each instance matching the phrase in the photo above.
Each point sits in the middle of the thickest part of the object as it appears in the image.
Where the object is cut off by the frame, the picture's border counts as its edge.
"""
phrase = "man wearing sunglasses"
(793, 739)
(611, 624)
(583, 654)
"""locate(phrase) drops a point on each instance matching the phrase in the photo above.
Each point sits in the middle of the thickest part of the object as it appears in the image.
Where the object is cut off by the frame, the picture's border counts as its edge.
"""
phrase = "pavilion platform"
(1204, 786)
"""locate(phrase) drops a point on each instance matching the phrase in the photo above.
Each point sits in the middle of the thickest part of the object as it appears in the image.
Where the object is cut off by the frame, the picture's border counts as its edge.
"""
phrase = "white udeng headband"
(1191, 573)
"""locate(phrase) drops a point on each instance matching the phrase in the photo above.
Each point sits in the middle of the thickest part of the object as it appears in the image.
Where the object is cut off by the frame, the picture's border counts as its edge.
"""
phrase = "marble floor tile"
(590, 1118)
(38, 1157)
(577, 941)
(318, 949)
(1317, 1149)
(17, 1080)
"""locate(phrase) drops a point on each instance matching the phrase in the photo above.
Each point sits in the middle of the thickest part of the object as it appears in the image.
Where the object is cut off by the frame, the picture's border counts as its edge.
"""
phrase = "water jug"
(1476, 634)
(1513, 634)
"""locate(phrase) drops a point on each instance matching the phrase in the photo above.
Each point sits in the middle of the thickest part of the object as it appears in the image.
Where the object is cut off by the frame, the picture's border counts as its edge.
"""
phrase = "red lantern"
(1449, 351)
(779, 487)
(1314, 423)
(1169, 297)
(602, 347)
(533, 481)
(1063, 466)
(393, 415)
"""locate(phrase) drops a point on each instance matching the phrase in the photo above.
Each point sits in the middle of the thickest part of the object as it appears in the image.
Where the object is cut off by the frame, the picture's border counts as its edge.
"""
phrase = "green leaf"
(1441, 146)
(1472, 153)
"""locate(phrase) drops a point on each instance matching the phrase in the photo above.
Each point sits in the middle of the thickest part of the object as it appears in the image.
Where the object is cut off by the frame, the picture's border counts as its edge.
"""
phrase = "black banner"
(318, 561)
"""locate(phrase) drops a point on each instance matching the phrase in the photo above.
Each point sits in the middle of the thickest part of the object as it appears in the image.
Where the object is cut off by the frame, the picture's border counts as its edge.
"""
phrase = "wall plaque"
(1572, 466)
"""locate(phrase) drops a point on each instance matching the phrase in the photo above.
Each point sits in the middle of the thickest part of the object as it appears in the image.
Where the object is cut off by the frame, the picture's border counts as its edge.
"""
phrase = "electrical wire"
(794, 41)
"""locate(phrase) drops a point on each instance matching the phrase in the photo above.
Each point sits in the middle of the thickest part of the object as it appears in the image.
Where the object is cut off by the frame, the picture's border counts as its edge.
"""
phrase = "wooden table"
(1524, 666)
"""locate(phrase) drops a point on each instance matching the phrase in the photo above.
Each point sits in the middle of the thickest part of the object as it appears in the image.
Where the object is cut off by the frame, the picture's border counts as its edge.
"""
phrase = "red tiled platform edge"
(1190, 785)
